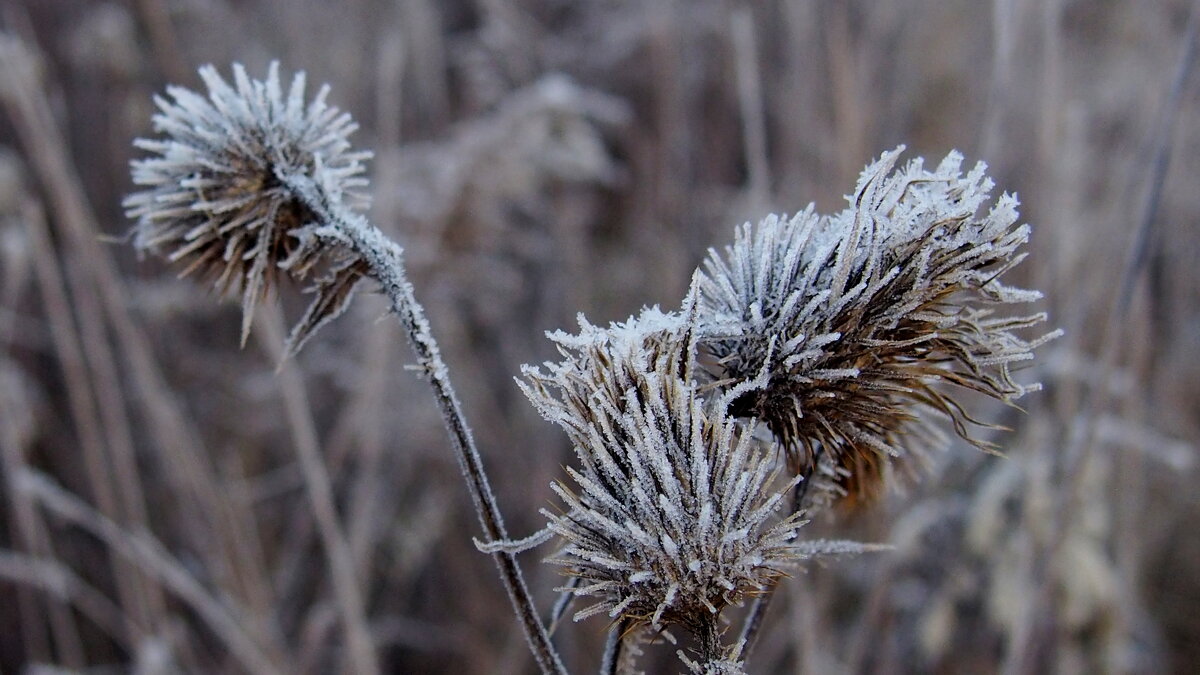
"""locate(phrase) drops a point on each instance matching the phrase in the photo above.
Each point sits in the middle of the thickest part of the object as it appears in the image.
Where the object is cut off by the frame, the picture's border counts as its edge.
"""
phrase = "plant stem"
(758, 611)
(610, 662)
(149, 554)
(708, 633)
(754, 620)
(385, 259)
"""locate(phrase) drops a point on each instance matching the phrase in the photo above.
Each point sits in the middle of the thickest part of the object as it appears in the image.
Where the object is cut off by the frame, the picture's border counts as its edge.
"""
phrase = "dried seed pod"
(215, 198)
(675, 512)
(855, 322)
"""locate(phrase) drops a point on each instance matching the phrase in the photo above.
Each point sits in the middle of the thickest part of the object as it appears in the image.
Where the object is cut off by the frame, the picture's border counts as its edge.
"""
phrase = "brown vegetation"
(539, 158)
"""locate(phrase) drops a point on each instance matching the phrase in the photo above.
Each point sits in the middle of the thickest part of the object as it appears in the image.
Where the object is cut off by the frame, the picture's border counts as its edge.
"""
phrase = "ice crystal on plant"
(215, 198)
(717, 667)
(674, 512)
(861, 318)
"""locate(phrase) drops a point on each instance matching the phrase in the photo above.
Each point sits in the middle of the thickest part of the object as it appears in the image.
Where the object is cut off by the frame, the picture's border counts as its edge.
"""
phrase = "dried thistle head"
(673, 511)
(215, 199)
(855, 322)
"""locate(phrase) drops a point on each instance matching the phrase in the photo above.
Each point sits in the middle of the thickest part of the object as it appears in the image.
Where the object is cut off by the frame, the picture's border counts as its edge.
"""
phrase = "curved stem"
(385, 259)
(754, 621)
(758, 611)
(562, 604)
(610, 663)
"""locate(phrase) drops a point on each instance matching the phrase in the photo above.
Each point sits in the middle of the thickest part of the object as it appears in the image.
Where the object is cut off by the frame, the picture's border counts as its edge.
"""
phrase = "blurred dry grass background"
(543, 157)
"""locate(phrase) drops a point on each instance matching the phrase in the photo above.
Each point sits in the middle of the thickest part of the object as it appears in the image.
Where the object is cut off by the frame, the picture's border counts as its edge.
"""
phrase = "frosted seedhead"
(675, 511)
(216, 198)
(849, 325)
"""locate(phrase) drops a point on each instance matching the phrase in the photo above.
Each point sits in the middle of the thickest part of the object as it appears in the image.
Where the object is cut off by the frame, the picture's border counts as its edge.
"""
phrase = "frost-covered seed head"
(861, 319)
(215, 200)
(673, 514)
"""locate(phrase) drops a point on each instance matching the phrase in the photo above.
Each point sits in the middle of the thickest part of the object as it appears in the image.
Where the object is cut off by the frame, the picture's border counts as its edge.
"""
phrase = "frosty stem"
(708, 634)
(610, 662)
(385, 259)
(754, 620)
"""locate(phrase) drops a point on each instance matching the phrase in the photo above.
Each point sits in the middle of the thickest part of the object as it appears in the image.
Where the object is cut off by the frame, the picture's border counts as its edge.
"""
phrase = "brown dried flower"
(216, 198)
(675, 512)
(853, 323)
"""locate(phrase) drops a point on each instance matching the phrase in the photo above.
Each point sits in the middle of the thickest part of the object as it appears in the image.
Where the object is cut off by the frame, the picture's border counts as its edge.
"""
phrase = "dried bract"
(854, 322)
(215, 198)
(674, 511)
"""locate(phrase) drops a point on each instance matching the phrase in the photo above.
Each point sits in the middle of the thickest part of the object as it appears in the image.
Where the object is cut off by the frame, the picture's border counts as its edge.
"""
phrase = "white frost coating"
(675, 509)
(246, 183)
(212, 197)
(863, 318)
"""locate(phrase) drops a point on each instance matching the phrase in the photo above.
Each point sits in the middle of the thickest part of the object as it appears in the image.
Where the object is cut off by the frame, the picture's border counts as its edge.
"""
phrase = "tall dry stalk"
(249, 183)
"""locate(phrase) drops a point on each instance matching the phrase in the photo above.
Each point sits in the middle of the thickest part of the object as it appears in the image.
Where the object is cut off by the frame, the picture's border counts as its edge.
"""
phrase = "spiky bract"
(854, 322)
(673, 513)
(215, 198)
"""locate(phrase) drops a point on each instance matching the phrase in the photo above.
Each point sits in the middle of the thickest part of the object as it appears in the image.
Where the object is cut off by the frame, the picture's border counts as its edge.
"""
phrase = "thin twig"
(749, 88)
(320, 495)
(157, 20)
(78, 387)
(59, 581)
(754, 620)
(366, 498)
(562, 604)
(384, 257)
(176, 439)
(148, 554)
(758, 611)
(30, 530)
(1081, 436)
(610, 662)
(110, 399)
(27, 524)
